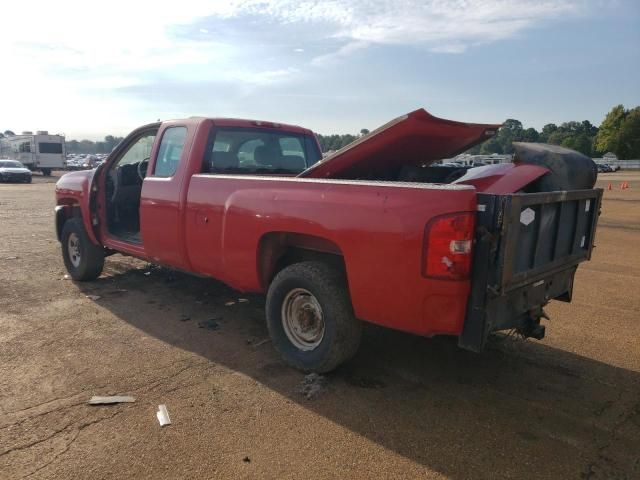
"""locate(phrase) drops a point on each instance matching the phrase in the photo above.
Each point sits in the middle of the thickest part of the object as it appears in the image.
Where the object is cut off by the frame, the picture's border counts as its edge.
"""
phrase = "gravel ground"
(567, 407)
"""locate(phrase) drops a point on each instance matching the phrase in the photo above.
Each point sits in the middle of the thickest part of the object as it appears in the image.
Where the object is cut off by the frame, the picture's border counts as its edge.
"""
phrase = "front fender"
(74, 190)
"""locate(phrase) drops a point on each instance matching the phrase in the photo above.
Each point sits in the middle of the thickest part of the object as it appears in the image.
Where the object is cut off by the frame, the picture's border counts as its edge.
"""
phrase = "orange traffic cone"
(609, 187)
(622, 186)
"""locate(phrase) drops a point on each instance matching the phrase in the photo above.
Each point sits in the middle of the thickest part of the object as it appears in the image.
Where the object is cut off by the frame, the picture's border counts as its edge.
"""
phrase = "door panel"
(161, 199)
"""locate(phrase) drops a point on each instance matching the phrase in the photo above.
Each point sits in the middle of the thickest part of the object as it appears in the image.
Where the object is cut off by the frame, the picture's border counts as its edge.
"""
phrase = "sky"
(88, 69)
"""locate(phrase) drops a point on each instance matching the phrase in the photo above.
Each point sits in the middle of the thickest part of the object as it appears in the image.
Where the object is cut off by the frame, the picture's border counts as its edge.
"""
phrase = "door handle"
(201, 218)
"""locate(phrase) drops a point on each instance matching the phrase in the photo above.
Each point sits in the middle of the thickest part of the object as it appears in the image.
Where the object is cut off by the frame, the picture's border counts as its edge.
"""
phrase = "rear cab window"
(244, 150)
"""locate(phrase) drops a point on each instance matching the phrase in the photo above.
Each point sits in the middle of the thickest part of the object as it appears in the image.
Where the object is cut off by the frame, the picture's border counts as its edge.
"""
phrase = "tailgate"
(528, 247)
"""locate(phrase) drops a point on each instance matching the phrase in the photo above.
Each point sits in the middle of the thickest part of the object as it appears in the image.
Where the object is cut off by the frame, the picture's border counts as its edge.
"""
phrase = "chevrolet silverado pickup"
(377, 232)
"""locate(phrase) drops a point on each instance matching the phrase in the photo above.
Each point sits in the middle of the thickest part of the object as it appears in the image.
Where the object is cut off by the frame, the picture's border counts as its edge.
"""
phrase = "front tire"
(83, 259)
(310, 317)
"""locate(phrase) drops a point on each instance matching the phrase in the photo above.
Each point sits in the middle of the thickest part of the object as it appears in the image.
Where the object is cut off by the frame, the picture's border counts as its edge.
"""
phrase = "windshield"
(259, 150)
(10, 164)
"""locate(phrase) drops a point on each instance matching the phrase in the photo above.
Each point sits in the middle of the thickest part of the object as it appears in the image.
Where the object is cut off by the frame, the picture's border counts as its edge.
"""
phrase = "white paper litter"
(163, 415)
(96, 400)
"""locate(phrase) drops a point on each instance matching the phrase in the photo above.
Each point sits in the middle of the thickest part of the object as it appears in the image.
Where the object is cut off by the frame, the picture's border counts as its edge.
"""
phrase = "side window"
(170, 151)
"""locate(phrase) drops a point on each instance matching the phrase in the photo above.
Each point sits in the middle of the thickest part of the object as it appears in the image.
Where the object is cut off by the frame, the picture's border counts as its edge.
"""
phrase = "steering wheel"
(143, 172)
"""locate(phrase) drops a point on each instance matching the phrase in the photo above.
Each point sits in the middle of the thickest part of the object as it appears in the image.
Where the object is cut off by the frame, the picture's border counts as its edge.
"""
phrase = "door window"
(140, 150)
(170, 151)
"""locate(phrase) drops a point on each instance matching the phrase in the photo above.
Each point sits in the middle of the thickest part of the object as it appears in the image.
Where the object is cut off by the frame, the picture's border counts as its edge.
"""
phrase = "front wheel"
(310, 317)
(83, 259)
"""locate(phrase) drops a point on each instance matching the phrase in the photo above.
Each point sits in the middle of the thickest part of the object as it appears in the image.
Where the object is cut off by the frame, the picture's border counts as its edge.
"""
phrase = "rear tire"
(83, 259)
(310, 317)
(46, 172)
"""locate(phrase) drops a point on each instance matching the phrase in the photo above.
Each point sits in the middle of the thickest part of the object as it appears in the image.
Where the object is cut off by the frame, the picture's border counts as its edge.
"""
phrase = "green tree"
(607, 137)
(628, 138)
(530, 135)
(547, 131)
(491, 146)
(364, 131)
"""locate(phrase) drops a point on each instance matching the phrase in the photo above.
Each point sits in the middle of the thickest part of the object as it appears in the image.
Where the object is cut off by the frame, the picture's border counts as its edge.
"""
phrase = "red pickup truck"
(376, 232)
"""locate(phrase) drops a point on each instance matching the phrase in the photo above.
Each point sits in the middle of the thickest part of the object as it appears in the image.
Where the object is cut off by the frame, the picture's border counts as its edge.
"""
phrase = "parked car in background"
(14, 171)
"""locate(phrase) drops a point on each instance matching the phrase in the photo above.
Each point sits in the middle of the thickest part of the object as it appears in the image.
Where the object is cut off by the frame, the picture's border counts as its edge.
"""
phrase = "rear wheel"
(46, 172)
(83, 259)
(310, 317)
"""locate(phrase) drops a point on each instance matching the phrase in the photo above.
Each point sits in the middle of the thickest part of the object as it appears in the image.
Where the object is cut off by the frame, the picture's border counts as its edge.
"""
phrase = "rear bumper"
(15, 177)
(519, 309)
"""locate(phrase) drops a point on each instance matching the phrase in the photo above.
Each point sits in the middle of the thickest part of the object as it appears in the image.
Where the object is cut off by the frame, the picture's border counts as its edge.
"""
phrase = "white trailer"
(41, 151)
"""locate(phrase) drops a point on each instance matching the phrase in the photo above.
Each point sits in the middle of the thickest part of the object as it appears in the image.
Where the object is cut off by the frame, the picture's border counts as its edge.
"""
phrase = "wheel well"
(63, 213)
(278, 250)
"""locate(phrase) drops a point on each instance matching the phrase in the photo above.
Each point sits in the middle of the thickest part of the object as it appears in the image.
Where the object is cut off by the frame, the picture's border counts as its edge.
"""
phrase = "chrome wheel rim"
(73, 248)
(302, 319)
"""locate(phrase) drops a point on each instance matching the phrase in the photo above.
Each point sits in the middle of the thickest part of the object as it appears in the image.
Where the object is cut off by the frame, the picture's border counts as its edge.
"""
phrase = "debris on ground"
(109, 400)
(246, 460)
(364, 382)
(228, 304)
(258, 343)
(93, 297)
(185, 318)
(211, 324)
(312, 385)
(66, 277)
(163, 415)
(243, 300)
(146, 274)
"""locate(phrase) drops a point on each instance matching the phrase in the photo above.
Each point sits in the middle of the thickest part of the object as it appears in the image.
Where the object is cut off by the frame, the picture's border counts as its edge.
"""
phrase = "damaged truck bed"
(375, 232)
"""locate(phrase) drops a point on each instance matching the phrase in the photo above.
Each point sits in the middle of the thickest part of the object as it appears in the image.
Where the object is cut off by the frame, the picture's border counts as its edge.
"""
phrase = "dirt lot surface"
(406, 407)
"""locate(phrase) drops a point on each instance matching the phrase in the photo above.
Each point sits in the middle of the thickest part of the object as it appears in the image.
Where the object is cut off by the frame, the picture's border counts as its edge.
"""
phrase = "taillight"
(448, 242)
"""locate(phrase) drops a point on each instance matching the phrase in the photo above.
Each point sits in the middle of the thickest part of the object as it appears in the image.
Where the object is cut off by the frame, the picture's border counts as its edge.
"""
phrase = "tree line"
(88, 146)
(619, 133)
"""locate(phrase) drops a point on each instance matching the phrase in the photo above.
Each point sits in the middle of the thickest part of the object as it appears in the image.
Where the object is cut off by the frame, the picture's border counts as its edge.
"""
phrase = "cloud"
(443, 26)
(344, 51)
(87, 55)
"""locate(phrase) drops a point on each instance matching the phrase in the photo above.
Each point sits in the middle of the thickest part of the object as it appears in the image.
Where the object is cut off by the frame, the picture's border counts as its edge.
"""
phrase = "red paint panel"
(502, 178)
(378, 228)
(414, 139)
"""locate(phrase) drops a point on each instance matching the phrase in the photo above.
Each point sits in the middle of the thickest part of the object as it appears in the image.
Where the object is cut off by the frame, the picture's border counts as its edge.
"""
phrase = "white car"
(14, 171)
